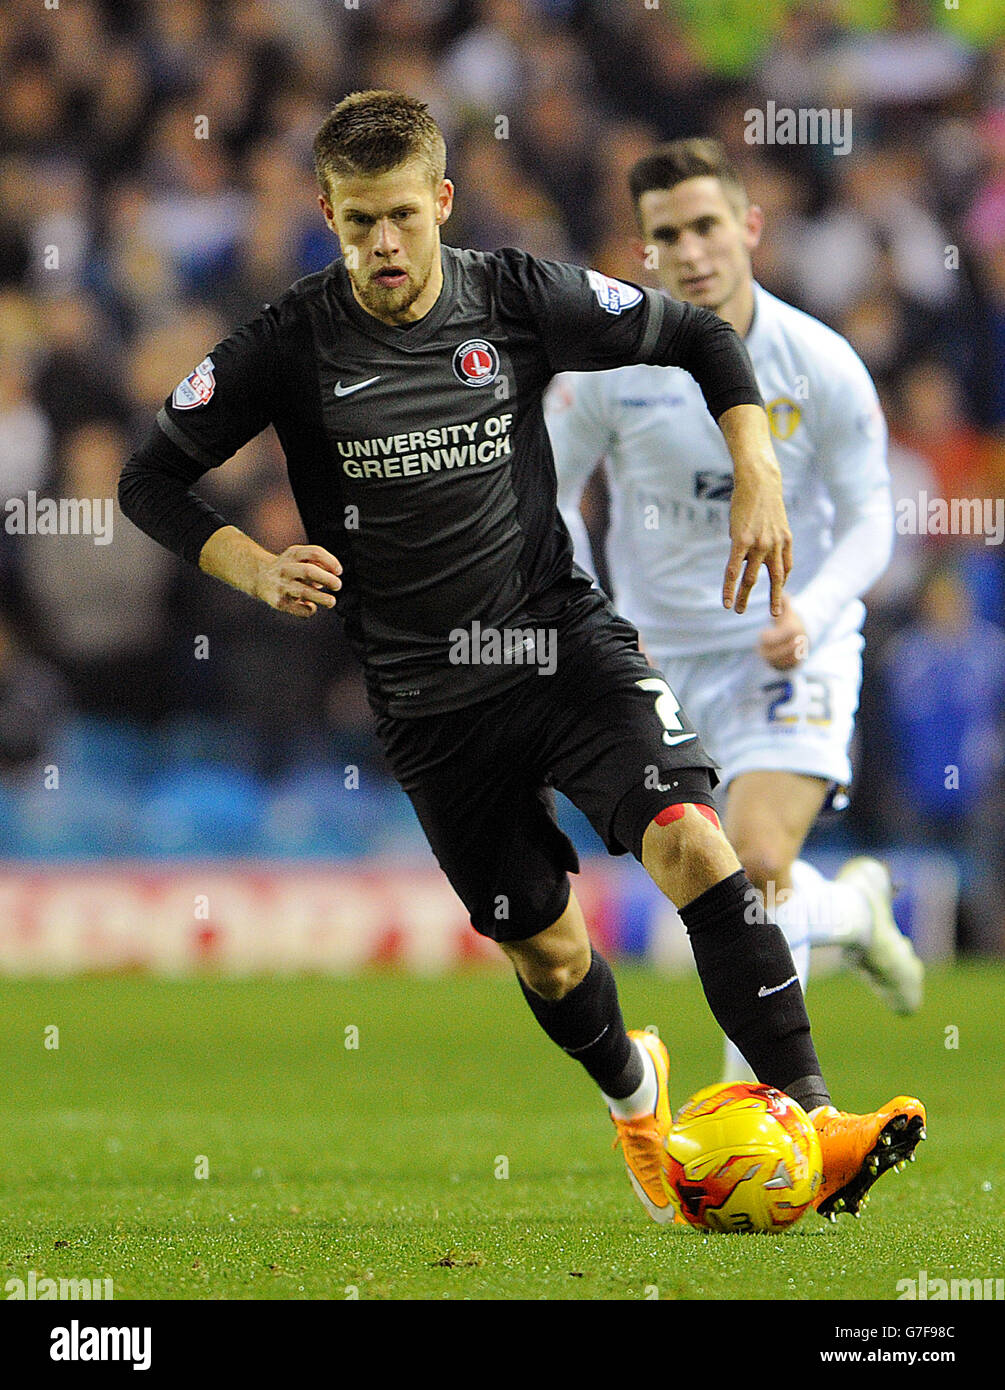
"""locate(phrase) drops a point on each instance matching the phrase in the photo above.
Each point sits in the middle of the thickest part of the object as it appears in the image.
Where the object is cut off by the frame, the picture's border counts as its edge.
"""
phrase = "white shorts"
(752, 718)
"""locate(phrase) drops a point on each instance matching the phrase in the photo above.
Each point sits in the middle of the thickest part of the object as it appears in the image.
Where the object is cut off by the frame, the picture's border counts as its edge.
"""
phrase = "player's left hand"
(784, 644)
(759, 530)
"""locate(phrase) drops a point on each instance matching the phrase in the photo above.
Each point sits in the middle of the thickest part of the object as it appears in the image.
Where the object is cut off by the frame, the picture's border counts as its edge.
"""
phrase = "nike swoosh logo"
(763, 992)
(341, 390)
(671, 739)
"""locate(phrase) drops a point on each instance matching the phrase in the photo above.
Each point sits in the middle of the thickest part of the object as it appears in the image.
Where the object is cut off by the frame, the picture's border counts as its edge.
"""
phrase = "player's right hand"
(298, 580)
(784, 644)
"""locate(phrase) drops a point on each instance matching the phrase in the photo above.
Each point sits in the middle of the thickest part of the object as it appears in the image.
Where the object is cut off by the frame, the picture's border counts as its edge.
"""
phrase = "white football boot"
(888, 961)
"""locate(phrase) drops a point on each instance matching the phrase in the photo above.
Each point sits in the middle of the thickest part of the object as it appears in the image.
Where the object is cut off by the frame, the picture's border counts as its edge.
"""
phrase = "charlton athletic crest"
(476, 363)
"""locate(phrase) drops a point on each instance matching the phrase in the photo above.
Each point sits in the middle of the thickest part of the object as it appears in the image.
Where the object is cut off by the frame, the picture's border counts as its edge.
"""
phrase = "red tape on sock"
(671, 813)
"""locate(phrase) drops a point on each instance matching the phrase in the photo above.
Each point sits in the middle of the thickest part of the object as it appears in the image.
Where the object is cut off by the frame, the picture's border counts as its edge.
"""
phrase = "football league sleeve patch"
(587, 321)
(613, 295)
(228, 397)
(196, 389)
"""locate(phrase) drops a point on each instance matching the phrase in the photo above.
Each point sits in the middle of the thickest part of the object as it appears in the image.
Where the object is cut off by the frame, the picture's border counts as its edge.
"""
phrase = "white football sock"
(825, 912)
(642, 1101)
(734, 1065)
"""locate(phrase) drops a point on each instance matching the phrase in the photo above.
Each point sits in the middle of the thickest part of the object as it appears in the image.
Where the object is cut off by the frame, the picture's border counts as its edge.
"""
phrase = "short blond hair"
(373, 132)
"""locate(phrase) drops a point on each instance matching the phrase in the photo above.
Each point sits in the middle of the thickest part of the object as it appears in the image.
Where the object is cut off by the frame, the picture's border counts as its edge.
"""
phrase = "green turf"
(378, 1169)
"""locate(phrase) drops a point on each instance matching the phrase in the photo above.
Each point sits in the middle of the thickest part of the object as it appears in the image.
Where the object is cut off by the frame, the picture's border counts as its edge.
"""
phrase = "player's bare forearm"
(758, 527)
(297, 581)
(748, 438)
(235, 558)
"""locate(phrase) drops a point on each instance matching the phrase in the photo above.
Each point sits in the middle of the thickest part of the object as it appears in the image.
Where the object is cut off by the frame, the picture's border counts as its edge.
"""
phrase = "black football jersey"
(418, 455)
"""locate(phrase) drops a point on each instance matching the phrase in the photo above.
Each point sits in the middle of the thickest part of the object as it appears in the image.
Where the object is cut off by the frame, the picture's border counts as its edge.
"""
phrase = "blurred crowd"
(156, 186)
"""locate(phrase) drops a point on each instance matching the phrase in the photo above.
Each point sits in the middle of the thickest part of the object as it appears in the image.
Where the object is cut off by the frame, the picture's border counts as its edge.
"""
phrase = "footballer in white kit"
(774, 699)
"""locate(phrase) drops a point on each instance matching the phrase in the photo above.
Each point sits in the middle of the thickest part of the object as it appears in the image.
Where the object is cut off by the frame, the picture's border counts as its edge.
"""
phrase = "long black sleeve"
(590, 322)
(155, 493)
(712, 351)
(210, 415)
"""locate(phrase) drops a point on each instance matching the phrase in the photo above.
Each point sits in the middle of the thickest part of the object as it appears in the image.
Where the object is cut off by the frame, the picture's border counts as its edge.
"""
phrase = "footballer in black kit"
(420, 457)
(405, 383)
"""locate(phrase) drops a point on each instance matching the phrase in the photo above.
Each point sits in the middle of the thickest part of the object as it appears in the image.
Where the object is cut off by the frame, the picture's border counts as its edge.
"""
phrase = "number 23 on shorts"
(806, 697)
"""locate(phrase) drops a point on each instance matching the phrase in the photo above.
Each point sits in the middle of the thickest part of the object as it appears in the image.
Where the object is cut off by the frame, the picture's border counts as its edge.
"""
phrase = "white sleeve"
(851, 456)
(574, 413)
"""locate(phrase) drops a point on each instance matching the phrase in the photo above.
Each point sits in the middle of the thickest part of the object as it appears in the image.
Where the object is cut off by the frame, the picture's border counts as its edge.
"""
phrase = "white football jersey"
(670, 477)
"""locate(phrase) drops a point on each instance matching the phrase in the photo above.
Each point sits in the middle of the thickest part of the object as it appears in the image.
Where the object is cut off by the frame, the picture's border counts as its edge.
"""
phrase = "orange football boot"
(858, 1149)
(642, 1140)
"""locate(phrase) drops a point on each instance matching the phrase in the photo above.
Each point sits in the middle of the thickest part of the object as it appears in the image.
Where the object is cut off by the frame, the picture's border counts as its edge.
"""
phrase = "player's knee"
(687, 853)
(548, 970)
(553, 981)
(766, 861)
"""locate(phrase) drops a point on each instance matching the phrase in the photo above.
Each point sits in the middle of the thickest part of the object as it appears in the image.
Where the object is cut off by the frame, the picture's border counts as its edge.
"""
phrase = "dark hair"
(696, 157)
(373, 132)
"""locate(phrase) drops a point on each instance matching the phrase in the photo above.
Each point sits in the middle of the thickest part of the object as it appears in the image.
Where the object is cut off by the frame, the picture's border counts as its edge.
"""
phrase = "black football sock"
(752, 988)
(587, 1024)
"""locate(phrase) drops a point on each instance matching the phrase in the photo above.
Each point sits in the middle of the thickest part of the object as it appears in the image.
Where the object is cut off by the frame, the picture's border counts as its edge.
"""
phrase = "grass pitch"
(392, 1138)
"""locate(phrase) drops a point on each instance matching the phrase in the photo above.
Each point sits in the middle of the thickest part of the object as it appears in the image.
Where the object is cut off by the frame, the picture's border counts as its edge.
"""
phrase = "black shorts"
(480, 779)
